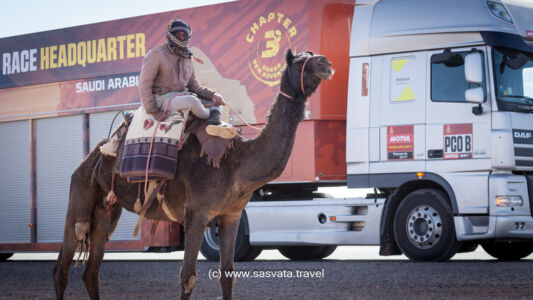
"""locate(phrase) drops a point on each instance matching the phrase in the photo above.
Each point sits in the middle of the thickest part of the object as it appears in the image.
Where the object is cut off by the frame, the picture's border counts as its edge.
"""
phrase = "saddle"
(213, 148)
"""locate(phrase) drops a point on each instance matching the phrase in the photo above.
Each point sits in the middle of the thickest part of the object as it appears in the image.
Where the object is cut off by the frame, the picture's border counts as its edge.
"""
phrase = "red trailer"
(60, 89)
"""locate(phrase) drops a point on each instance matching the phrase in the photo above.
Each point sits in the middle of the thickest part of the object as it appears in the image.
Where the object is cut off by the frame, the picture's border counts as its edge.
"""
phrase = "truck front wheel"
(508, 250)
(423, 226)
(306, 252)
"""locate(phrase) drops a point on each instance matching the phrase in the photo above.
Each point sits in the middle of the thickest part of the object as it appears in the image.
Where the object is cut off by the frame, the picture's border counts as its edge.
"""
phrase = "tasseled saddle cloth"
(162, 148)
(166, 145)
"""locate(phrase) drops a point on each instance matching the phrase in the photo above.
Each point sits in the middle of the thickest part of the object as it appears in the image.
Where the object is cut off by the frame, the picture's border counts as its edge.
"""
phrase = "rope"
(257, 128)
(150, 151)
(235, 113)
(302, 76)
(285, 95)
(113, 122)
(240, 118)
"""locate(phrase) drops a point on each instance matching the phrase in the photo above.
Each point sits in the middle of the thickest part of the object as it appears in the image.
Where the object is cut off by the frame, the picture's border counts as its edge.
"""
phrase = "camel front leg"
(229, 224)
(195, 224)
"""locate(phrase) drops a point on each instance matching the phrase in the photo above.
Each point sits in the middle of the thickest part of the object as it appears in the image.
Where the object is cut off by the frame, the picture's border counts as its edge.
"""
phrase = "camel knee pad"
(82, 230)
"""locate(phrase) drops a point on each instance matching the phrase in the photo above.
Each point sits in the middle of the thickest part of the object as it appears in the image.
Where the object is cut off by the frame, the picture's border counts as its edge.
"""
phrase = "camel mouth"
(326, 75)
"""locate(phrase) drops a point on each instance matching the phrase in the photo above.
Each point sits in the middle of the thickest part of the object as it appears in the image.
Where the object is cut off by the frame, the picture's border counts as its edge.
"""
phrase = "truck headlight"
(508, 201)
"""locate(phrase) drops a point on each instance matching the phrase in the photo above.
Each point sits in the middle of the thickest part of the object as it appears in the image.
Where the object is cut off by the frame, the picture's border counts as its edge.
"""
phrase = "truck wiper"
(528, 99)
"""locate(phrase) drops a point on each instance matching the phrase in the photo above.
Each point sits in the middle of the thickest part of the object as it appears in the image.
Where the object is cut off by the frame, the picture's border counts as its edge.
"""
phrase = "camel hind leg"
(82, 199)
(62, 265)
(101, 231)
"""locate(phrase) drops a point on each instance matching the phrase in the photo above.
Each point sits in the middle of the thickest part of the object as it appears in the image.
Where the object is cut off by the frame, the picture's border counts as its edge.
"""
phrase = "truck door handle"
(435, 153)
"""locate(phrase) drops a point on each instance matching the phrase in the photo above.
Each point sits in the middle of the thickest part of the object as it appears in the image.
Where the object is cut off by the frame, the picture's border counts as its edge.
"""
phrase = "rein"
(301, 80)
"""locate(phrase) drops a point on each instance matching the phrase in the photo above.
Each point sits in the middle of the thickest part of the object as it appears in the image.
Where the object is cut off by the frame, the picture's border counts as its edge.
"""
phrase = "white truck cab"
(440, 117)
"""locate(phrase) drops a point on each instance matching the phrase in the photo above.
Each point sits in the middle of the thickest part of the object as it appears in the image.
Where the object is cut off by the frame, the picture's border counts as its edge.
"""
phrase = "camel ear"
(289, 57)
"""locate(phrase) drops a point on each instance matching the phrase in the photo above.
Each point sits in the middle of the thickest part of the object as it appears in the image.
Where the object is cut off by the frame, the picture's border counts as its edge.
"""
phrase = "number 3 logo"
(272, 45)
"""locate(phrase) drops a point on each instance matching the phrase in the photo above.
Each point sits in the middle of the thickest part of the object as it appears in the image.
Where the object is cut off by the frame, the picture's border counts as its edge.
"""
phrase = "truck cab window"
(448, 82)
(513, 71)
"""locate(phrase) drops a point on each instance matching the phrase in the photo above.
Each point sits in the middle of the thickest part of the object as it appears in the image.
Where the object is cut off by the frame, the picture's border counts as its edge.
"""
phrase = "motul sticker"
(400, 142)
(529, 33)
(458, 141)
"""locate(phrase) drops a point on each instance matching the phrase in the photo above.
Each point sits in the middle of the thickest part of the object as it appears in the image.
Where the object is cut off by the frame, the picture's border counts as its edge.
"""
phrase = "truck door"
(457, 139)
(397, 110)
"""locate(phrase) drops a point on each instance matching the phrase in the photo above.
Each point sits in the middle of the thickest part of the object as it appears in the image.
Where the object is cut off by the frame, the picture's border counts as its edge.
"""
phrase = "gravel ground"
(334, 279)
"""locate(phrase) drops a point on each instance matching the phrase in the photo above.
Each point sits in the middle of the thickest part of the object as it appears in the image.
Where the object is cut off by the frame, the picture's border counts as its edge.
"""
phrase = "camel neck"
(274, 144)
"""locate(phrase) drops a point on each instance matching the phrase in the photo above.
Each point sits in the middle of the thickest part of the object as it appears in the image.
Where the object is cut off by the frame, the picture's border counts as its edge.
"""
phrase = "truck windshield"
(513, 71)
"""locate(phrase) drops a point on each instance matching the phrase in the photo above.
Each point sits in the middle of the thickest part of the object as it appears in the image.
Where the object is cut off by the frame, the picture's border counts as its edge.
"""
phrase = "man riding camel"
(167, 74)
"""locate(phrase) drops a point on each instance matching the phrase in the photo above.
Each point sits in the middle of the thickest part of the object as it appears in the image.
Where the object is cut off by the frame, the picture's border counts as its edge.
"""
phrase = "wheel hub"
(424, 227)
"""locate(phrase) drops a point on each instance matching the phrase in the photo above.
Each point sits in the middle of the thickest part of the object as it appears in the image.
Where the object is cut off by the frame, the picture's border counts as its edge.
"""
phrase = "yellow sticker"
(407, 95)
(398, 64)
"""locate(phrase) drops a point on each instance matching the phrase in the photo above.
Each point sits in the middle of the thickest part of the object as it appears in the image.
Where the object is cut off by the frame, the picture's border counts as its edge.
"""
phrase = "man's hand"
(160, 116)
(218, 100)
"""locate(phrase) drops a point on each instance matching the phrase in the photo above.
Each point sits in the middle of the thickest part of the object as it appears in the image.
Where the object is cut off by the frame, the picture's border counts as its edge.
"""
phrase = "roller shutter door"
(15, 182)
(99, 124)
(59, 146)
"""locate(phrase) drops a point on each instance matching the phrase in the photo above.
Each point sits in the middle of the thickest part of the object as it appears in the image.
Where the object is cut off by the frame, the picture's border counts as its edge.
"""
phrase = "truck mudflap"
(493, 227)
(324, 221)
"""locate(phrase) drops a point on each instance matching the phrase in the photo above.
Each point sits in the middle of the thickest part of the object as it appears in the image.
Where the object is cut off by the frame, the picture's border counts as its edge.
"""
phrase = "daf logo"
(522, 135)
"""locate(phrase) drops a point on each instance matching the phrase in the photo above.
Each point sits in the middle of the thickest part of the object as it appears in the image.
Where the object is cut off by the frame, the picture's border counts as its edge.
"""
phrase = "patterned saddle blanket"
(165, 147)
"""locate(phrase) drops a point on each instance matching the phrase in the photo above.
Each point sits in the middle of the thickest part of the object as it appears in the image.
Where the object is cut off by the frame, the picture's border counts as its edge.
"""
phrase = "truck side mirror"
(473, 68)
(474, 75)
(474, 95)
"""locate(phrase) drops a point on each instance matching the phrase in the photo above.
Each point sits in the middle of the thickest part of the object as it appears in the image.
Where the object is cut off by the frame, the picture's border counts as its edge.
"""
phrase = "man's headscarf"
(181, 48)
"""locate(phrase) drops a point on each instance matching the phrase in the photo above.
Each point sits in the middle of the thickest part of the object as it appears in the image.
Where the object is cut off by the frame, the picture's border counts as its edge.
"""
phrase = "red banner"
(242, 43)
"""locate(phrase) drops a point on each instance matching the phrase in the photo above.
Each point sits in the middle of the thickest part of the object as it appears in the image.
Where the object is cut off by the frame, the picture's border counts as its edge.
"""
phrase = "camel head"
(316, 69)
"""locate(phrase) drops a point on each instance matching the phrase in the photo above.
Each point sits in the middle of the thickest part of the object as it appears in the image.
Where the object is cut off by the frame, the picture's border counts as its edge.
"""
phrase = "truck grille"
(523, 148)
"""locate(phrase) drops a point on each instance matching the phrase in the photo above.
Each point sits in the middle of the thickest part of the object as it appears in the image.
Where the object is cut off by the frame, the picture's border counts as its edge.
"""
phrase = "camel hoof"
(81, 229)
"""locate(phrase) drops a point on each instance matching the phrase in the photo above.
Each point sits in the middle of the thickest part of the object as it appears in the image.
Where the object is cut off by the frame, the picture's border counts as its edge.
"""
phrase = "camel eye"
(323, 61)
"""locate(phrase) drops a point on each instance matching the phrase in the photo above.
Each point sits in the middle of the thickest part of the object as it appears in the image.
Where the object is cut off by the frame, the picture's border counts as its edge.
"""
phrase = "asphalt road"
(282, 279)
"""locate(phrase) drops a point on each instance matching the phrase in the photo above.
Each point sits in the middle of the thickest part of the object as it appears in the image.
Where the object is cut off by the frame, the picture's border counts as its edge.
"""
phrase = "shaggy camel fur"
(199, 192)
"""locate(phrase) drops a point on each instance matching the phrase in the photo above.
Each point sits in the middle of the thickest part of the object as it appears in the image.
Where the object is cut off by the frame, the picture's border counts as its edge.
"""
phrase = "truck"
(430, 106)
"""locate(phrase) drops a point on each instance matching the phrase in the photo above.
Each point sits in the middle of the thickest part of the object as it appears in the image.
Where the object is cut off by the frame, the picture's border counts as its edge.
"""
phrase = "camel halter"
(301, 80)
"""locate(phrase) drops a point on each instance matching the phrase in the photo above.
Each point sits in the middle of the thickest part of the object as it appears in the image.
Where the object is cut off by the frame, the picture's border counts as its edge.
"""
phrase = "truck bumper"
(493, 227)
(514, 227)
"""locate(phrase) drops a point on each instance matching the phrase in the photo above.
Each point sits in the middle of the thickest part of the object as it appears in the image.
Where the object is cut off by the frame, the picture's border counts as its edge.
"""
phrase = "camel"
(199, 192)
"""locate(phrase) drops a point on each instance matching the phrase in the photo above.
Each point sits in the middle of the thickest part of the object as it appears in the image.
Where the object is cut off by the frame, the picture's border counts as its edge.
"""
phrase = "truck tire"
(424, 228)
(243, 250)
(508, 250)
(306, 252)
(5, 256)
